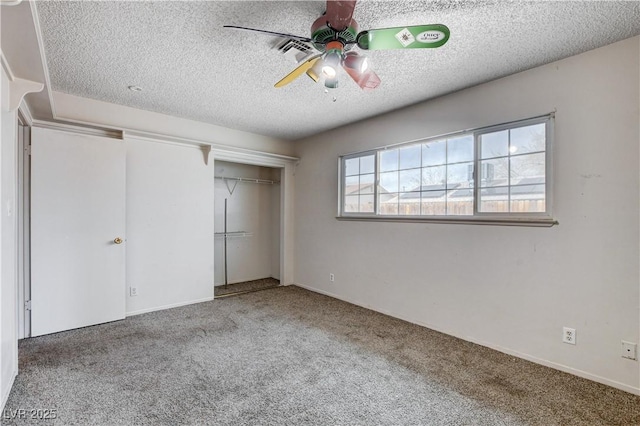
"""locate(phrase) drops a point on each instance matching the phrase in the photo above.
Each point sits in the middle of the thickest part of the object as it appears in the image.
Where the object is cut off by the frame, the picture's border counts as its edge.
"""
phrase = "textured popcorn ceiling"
(189, 66)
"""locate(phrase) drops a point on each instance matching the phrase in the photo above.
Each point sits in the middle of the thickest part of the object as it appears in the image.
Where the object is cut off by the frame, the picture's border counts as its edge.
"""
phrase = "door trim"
(23, 213)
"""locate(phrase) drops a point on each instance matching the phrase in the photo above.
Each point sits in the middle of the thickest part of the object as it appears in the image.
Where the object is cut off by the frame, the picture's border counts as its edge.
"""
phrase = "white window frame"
(341, 177)
(478, 217)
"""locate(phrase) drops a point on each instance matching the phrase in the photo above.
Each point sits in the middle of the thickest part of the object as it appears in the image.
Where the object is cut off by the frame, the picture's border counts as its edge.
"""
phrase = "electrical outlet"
(569, 335)
(629, 350)
(133, 291)
(332, 277)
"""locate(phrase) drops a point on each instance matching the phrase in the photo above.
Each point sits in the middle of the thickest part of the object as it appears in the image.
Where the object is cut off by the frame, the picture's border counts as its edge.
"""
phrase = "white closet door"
(77, 222)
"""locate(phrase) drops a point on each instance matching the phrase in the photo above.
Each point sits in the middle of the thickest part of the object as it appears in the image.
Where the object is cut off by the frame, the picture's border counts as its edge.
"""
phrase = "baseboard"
(161, 308)
(7, 389)
(536, 360)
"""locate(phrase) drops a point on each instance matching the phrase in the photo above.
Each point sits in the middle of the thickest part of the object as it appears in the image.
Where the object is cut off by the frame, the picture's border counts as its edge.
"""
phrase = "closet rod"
(248, 180)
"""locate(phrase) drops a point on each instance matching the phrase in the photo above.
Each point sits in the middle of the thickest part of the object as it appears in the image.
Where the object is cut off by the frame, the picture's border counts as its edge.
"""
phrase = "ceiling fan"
(335, 34)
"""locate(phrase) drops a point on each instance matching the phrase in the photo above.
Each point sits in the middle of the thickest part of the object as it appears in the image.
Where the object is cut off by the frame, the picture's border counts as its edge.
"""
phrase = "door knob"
(118, 240)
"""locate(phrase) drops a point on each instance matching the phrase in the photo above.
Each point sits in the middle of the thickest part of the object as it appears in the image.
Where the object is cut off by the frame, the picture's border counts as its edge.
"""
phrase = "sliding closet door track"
(245, 287)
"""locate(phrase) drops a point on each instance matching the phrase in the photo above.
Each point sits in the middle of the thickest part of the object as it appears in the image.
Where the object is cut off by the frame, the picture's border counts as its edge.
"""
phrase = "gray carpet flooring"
(288, 356)
(245, 287)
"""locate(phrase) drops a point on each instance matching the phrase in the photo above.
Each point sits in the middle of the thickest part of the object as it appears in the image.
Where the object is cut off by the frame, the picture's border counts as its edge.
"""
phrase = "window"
(494, 174)
(359, 184)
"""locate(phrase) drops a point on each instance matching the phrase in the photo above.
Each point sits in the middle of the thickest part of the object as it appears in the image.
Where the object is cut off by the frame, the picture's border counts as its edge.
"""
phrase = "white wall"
(252, 208)
(169, 225)
(103, 114)
(8, 248)
(510, 288)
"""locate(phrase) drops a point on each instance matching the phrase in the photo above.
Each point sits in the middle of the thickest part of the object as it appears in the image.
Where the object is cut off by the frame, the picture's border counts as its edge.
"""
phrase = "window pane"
(434, 203)
(436, 175)
(389, 182)
(388, 204)
(434, 153)
(528, 199)
(494, 144)
(367, 164)
(431, 195)
(409, 204)
(351, 184)
(494, 199)
(350, 181)
(388, 160)
(494, 172)
(352, 166)
(460, 202)
(460, 175)
(410, 180)
(531, 166)
(351, 203)
(410, 157)
(460, 149)
(367, 184)
(528, 139)
(366, 203)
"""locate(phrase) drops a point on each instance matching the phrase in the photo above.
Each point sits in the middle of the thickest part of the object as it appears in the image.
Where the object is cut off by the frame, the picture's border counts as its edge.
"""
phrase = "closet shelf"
(248, 180)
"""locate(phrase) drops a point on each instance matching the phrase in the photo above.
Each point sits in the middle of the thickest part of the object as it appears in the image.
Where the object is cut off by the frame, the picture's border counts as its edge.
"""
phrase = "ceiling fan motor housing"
(322, 33)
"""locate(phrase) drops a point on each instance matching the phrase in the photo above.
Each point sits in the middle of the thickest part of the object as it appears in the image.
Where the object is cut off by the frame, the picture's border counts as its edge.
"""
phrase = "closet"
(247, 220)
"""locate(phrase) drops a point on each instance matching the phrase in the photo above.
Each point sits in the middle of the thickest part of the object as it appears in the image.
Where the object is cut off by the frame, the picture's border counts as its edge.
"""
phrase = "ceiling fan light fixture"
(355, 61)
(331, 83)
(364, 65)
(315, 73)
(329, 71)
(331, 62)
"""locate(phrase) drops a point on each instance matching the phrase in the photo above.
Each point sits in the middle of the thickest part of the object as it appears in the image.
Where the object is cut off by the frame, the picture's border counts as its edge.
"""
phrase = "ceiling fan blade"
(367, 80)
(291, 36)
(340, 13)
(301, 69)
(411, 37)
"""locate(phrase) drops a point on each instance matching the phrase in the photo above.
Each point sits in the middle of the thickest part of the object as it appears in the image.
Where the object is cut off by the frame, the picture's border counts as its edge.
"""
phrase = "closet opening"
(247, 226)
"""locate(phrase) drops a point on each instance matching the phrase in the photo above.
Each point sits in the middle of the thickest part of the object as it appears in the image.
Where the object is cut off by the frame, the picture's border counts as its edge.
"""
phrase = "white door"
(77, 230)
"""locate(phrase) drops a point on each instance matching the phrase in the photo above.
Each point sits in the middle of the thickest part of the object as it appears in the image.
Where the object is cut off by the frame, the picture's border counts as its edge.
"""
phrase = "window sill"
(540, 222)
